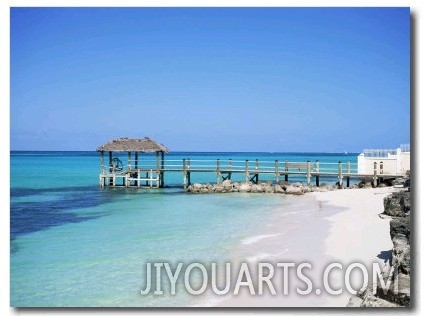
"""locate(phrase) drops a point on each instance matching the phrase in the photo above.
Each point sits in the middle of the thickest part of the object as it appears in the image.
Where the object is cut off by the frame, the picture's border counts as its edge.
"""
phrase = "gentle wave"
(254, 239)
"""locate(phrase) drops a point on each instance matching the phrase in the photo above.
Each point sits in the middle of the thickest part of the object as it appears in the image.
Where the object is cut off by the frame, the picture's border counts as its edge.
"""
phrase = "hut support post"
(157, 169)
(111, 179)
(340, 175)
(128, 174)
(136, 168)
(162, 174)
(102, 162)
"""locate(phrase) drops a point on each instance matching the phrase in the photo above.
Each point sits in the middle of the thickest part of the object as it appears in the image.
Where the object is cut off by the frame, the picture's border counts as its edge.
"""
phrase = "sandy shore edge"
(356, 233)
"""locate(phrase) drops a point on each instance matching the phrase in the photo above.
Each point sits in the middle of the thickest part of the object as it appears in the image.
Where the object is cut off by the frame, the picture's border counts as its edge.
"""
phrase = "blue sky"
(221, 79)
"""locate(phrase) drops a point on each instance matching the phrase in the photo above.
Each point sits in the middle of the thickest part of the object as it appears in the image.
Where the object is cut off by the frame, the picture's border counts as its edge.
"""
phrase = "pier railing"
(151, 172)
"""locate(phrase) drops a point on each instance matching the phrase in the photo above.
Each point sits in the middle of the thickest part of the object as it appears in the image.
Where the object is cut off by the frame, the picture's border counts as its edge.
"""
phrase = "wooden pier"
(250, 171)
(149, 170)
(253, 171)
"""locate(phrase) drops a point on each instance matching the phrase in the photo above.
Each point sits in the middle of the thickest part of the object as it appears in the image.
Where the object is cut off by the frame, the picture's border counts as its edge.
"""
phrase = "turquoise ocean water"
(76, 244)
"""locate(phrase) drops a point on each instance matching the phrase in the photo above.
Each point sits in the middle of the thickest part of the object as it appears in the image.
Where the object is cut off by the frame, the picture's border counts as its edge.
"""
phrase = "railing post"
(129, 161)
(348, 177)
(230, 166)
(188, 172)
(218, 171)
(257, 170)
(184, 175)
(308, 172)
(277, 174)
(375, 175)
(286, 169)
(340, 175)
(317, 171)
(247, 171)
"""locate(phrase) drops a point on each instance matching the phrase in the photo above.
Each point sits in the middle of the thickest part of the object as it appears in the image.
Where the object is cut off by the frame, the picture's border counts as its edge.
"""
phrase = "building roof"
(145, 145)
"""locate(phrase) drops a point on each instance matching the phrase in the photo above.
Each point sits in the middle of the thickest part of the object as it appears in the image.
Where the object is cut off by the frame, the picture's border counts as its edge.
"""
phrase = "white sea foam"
(261, 256)
(254, 239)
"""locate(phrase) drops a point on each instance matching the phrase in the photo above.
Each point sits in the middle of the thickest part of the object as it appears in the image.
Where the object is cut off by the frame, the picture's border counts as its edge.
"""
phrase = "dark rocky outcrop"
(400, 225)
(397, 204)
(398, 294)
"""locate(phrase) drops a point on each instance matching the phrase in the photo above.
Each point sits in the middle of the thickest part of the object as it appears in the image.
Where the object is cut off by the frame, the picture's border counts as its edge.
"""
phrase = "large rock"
(399, 292)
(397, 204)
(278, 189)
(257, 188)
(245, 187)
(400, 225)
(218, 188)
(294, 190)
(227, 185)
(197, 186)
(401, 254)
(306, 189)
(269, 189)
(365, 298)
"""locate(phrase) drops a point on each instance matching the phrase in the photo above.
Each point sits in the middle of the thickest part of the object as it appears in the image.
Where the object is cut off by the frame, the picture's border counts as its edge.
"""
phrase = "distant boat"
(345, 152)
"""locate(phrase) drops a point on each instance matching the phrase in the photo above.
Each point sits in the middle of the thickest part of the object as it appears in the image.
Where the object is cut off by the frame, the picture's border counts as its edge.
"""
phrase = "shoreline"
(341, 226)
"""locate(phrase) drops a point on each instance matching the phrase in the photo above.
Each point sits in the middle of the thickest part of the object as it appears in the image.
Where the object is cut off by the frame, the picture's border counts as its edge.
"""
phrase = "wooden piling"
(277, 174)
(246, 172)
(340, 175)
(257, 171)
(348, 177)
(137, 183)
(375, 175)
(102, 161)
(308, 172)
(286, 169)
(218, 171)
(317, 171)
(111, 179)
(188, 172)
(184, 175)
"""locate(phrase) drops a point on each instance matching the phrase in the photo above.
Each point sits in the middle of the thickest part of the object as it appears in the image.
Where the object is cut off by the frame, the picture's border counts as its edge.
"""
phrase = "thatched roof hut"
(144, 145)
(133, 175)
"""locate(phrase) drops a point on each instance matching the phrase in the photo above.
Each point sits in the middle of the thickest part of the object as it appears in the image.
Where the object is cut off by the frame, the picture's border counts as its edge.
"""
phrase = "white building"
(388, 161)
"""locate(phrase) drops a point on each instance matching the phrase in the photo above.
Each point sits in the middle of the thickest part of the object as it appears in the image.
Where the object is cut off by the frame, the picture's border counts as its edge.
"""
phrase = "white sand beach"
(357, 234)
(344, 226)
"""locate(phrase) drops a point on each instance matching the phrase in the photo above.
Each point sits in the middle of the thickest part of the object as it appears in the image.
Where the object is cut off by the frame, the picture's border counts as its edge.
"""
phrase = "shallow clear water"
(75, 244)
